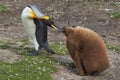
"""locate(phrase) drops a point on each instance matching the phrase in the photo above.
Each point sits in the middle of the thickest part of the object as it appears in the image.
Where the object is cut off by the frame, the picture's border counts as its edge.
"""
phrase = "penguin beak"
(59, 29)
(54, 27)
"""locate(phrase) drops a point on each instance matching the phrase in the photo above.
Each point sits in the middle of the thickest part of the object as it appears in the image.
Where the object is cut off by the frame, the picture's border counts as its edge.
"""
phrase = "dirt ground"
(93, 15)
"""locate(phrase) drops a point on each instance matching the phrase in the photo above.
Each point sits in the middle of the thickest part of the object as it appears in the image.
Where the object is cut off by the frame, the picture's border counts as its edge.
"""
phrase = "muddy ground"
(89, 13)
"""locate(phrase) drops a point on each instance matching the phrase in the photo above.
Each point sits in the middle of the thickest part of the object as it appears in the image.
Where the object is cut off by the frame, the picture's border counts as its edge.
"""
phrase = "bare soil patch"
(9, 56)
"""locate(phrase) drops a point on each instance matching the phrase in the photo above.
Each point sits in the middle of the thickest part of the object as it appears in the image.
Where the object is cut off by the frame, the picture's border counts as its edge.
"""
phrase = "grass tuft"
(59, 48)
(98, 3)
(112, 3)
(6, 44)
(3, 8)
(114, 15)
(71, 64)
(29, 67)
(113, 48)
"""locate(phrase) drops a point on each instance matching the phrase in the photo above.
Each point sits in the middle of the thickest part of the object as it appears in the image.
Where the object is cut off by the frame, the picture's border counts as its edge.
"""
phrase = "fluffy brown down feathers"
(87, 50)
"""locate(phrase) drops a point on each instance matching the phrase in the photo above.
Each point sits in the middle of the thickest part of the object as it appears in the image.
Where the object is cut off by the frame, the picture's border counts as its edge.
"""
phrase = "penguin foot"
(48, 49)
(34, 53)
(51, 52)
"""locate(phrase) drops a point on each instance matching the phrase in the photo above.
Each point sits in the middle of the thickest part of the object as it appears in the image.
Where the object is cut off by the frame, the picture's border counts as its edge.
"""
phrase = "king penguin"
(35, 24)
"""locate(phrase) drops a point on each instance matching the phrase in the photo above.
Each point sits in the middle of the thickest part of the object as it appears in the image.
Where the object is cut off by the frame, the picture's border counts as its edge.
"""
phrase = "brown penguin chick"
(87, 50)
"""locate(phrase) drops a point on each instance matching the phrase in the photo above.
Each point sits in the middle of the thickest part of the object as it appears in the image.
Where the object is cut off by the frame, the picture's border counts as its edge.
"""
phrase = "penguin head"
(32, 12)
(49, 22)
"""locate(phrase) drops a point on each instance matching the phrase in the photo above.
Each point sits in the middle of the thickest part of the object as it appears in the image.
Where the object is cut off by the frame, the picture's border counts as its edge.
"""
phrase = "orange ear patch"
(32, 14)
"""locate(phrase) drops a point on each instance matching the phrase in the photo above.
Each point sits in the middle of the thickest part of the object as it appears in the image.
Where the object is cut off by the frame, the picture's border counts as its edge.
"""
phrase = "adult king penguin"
(35, 24)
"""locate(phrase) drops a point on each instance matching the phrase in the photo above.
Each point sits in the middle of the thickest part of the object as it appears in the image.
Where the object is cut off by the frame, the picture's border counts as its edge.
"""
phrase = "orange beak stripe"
(46, 17)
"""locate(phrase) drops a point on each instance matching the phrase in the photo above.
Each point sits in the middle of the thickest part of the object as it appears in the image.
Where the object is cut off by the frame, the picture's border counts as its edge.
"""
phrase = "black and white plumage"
(35, 24)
